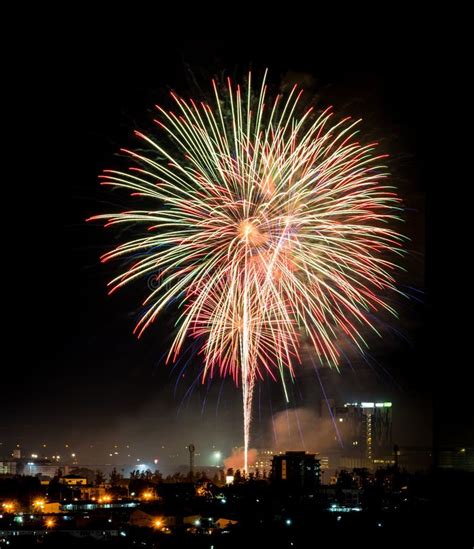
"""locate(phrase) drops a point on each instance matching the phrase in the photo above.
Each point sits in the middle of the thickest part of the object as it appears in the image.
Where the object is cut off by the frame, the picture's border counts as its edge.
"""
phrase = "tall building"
(366, 428)
(263, 462)
(297, 470)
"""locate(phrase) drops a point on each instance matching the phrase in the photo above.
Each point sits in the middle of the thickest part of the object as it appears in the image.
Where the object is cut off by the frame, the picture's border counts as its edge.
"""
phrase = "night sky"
(75, 373)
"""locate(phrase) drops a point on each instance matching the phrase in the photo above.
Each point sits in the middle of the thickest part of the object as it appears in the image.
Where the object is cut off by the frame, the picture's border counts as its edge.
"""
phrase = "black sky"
(75, 370)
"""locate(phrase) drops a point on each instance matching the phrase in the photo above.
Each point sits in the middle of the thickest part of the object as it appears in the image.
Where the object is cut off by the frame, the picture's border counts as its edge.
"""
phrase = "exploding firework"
(269, 228)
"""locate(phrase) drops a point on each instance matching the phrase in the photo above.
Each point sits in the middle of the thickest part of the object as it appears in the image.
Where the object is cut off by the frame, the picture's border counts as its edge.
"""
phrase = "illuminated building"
(73, 480)
(263, 462)
(366, 428)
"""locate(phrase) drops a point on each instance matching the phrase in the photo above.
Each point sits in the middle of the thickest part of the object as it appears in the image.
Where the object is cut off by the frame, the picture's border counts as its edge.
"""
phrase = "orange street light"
(9, 507)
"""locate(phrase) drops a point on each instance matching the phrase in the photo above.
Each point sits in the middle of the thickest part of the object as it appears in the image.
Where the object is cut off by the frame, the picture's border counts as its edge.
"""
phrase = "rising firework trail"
(268, 225)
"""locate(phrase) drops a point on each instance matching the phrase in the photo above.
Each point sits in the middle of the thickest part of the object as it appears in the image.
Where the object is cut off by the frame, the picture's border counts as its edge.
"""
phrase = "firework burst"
(268, 227)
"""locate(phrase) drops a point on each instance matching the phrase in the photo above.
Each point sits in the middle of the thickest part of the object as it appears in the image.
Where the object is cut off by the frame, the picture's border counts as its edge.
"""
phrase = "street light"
(218, 456)
(9, 507)
(39, 503)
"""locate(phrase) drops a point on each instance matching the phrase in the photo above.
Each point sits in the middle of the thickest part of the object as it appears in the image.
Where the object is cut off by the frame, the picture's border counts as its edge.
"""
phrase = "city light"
(157, 523)
(217, 456)
(343, 509)
(49, 523)
(9, 506)
(105, 499)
